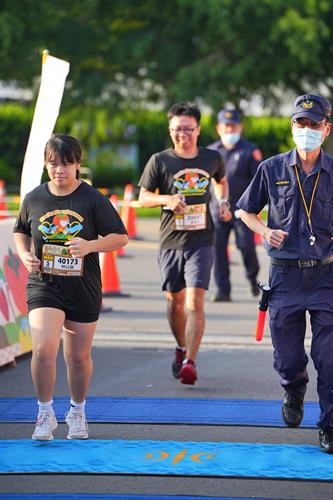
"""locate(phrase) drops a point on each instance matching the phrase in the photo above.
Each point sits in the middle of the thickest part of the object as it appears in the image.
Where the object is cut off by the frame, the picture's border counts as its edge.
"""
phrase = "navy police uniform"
(241, 163)
(301, 271)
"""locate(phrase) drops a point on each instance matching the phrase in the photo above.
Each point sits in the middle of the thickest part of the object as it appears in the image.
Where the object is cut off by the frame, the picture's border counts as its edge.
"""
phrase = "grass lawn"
(148, 212)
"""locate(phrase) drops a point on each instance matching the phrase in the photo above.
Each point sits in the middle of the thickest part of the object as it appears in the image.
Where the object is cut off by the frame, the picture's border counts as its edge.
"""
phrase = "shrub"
(99, 130)
(15, 124)
(270, 133)
(110, 170)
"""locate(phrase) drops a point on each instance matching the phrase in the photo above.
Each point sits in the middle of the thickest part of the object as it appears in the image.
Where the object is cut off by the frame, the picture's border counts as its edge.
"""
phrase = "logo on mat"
(178, 457)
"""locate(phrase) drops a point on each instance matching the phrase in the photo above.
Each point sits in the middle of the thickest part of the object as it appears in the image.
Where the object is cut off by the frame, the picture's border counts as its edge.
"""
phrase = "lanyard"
(308, 210)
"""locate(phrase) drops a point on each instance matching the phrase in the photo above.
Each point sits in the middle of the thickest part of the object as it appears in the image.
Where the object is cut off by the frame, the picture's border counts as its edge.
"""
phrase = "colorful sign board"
(15, 338)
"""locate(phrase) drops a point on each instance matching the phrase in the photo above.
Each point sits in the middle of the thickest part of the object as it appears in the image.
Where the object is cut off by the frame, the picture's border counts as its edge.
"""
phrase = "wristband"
(224, 201)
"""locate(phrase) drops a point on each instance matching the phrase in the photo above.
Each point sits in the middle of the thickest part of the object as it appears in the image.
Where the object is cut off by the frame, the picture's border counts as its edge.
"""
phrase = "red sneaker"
(178, 362)
(188, 373)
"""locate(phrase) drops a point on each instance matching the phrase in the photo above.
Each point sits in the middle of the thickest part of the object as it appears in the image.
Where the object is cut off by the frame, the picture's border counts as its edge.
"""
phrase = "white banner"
(54, 72)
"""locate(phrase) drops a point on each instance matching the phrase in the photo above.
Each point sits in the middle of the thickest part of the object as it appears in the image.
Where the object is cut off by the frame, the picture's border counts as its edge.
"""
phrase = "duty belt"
(302, 263)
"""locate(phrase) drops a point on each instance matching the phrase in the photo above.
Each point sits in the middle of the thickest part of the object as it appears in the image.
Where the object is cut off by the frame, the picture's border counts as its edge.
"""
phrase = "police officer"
(298, 188)
(241, 160)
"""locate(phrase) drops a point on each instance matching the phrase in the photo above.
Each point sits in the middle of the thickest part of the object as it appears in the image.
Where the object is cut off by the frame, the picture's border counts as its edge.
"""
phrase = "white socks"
(77, 407)
(45, 406)
(48, 406)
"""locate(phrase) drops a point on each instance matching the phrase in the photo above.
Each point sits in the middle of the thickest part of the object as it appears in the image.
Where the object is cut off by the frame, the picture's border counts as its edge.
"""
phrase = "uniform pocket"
(324, 205)
(278, 278)
(272, 312)
(285, 204)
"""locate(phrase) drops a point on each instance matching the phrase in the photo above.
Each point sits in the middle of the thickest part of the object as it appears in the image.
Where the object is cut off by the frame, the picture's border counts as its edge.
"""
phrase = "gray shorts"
(185, 268)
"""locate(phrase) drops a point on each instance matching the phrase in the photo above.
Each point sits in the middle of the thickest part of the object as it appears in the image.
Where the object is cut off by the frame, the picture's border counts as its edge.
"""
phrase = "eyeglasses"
(186, 131)
(306, 122)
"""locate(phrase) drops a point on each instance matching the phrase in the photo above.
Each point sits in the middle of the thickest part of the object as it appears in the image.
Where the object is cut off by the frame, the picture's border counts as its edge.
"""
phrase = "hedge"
(97, 128)
(15, 123)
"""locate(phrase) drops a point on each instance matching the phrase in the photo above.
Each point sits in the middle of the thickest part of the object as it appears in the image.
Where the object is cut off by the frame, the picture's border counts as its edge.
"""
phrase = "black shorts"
(185, 268)
(79, 317)
(52, 295)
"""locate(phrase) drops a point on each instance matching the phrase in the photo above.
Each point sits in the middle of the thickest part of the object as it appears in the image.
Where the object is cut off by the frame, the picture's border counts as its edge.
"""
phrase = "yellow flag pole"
(44, 55)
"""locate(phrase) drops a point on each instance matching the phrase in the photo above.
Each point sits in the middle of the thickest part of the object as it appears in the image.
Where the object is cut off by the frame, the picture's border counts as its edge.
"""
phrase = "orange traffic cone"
(114, 198)
(110, 276)
(128, 212)
(3, 204)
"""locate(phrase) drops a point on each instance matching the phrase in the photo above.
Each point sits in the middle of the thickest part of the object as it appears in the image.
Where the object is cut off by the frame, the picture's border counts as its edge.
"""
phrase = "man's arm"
(148, 199)
(274, 237)
(221, 189)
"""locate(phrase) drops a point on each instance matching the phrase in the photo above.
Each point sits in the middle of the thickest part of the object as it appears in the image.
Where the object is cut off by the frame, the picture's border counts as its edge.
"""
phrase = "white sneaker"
(45, 425)
(78, 426)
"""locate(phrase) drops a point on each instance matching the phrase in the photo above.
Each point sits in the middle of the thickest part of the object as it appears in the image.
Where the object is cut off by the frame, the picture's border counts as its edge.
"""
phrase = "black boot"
(221, 297)
(292, 410)
(254, 287)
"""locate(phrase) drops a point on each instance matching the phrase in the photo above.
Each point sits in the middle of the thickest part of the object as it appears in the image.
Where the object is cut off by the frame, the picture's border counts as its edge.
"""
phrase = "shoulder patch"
(282, 183)
(256, 153)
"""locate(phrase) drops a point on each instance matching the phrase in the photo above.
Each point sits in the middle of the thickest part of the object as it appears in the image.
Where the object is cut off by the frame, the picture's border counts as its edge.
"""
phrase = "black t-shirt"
(51, 219)
(191, 177)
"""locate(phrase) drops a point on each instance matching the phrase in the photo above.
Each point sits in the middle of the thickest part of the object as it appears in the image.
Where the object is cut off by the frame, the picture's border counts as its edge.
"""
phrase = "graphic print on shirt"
(60, 225)
(191, 181)
(57, 227)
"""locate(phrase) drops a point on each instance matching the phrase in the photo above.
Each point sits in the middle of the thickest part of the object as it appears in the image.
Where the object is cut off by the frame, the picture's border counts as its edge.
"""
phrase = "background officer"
(298, 188)
(241, 160)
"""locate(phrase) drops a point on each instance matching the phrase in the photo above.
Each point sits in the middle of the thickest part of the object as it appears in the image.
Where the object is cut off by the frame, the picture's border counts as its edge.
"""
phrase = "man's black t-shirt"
(191, 177)
(51, 219)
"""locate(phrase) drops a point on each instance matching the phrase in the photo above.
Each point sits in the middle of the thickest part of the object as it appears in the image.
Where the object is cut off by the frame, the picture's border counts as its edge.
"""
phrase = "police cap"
(312, 106)
(228, 116)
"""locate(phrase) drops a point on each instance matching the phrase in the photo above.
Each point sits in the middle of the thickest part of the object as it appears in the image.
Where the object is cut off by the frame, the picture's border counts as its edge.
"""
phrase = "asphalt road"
(132, 357)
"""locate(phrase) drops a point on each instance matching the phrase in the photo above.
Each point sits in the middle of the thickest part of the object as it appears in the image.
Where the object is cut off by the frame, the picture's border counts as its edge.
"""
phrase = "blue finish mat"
(164, 411)
(93, 496)
(166, 458)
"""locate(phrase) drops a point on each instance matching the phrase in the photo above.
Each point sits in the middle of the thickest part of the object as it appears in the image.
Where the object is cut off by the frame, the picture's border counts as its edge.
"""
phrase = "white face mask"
(230, 138)
(307, 139)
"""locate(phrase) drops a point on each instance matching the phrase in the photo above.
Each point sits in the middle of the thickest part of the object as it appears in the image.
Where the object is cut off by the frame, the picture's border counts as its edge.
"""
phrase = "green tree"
(246, 47)
(128, 52)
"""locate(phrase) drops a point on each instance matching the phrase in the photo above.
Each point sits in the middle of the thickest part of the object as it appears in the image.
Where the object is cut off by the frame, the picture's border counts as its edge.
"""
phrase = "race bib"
(57, 260)
(192, 219)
